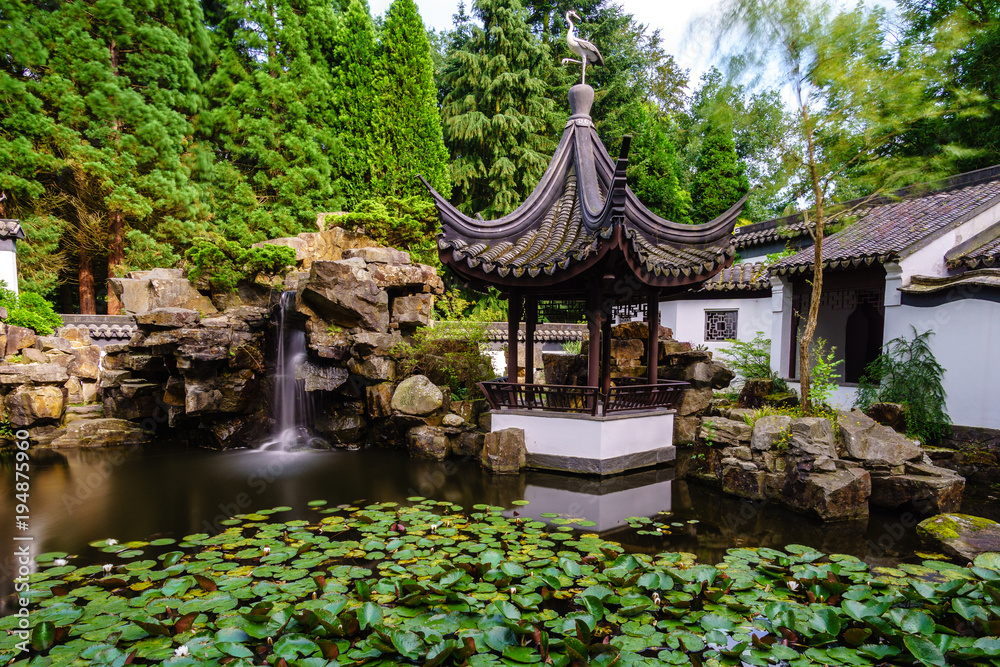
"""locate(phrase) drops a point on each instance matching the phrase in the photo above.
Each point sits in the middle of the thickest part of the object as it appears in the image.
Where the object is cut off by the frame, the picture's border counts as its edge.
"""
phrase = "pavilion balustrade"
(625, 396)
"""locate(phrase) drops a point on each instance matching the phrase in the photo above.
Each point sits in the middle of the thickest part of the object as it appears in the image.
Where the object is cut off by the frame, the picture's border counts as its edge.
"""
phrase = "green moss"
(948, 526)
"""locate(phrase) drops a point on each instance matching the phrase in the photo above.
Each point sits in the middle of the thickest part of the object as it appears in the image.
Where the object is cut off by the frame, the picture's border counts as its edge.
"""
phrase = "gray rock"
(929, 489)
(144, 291)
(49, 343)
(428, 442)
(453, 420)
(320, 378)
(18, 338)
(169, 317)
(102, 432)
(85, 362)
(378, 400)
(342, 426)
(866, 440)
(409, 276)
(686, 430)
(813, 437)
(743, 482)
(960, 535)
(34, 355)
(417, 395)
(721, 431)
(832, 496)
(378, 255)
(694, 402)
(469, 443)
(345, 294)
(412, 311)
(379, 369)
(504, 451)
(33, 374)
(768, 430)
(366, 343)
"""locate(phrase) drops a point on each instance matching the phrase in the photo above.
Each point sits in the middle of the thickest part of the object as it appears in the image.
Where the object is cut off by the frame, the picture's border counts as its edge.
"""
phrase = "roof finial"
(581, 47)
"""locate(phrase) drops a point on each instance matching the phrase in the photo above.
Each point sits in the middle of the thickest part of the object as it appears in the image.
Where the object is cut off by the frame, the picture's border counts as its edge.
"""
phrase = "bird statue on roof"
(581, 47)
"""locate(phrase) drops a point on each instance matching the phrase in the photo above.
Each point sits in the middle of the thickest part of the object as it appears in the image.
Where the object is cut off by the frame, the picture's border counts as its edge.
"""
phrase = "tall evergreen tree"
(412, 142)
(654, 170)
(721, 178)
(98, 150)
(499, 121)
(272, 98)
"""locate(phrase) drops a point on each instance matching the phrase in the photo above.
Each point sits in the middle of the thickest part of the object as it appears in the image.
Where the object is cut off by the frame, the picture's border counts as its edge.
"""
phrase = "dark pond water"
(81, 496)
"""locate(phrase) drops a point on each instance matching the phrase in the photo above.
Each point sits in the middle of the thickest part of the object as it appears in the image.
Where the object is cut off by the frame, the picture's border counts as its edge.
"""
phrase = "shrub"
(751, 360)
(29, 310)
(823, 373)
(448, 354)
(408, 224)
(907, 372)
(225, 263)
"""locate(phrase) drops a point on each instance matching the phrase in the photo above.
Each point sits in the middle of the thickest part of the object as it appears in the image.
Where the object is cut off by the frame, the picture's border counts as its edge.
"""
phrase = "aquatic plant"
(430, 584)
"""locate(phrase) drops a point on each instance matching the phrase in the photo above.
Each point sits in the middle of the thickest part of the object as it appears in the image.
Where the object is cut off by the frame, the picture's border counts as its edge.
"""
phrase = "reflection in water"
(79, 496)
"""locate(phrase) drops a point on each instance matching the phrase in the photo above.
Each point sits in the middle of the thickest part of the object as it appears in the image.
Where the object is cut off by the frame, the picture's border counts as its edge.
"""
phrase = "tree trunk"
(88, 297)
(116, 259)
(817, 283)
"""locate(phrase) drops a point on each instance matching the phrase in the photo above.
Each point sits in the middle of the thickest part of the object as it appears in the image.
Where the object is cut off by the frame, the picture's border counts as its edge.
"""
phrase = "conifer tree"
(92, 152)
(499, 121)
(352, 62)
(412, 142)
(272, 98)
(721, 178)
(654, 171)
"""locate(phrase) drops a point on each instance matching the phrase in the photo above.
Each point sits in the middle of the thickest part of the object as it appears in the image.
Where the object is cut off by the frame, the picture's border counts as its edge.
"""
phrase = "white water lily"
(434, 527)
(181, 651)
(59, 562)
(108, 567)
(112, 541)
(266, 550)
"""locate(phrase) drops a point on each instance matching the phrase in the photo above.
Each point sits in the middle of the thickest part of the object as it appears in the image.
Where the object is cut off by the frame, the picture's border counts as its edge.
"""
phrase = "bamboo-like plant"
(907, 372)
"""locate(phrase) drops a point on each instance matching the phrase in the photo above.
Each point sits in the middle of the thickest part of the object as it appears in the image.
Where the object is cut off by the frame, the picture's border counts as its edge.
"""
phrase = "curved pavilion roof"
(583, 217)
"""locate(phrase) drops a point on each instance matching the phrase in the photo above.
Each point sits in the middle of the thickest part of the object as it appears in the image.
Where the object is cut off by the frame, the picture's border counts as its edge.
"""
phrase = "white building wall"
(966, 342)
(687, 319)
(8, 269)
(929, 260)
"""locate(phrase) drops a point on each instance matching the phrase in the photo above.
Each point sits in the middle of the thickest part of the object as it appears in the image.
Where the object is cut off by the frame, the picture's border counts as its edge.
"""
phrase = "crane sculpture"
(581, 47)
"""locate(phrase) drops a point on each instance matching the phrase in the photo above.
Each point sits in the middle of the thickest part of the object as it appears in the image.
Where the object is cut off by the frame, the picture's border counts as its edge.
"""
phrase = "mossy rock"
(960, 535)
(785, 399)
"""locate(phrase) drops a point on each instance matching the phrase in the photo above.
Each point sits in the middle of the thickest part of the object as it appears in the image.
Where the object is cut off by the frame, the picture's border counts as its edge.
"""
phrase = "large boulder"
(694, 402)
(504, 451)
(832, 496)
(101, 432)
(768, 431)
(379, 255)
(344, 293)
(85, 362)
(960, 535)
(18, 374)
(742, 478)
(378, 400)
(143, 291)
(866, 440)
(169, 317)
(27, 406)
(316, 377)
(812, 437)
(414, 277)
(721, 431)
(224, 392)
(18, 338)
(343, 426)
(892, 415)
(929, 489)
(417, 395)
(428, 442)
(753, 392)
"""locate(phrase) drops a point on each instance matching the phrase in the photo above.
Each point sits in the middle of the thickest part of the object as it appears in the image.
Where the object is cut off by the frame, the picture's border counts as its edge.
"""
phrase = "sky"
(671, 17)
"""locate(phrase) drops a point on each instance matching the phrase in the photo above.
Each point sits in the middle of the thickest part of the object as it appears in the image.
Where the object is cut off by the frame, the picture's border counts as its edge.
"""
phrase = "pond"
(163, 490)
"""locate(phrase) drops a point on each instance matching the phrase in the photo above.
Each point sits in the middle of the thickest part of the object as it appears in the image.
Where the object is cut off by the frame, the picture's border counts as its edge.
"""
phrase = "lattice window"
(627, 312)
(720, 324)
(553, 310)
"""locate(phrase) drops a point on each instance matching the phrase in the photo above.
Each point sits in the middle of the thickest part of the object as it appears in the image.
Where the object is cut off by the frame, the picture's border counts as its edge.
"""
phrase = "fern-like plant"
(907, 372)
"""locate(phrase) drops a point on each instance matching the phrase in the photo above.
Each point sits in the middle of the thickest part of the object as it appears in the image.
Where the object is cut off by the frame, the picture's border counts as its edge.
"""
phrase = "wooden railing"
(501, 394)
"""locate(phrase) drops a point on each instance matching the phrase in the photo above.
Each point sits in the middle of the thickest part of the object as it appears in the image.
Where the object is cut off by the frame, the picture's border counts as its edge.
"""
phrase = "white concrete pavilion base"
(596, 445)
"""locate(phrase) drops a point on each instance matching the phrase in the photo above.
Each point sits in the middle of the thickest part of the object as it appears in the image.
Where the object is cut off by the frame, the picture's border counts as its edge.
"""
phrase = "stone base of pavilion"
(592, 444)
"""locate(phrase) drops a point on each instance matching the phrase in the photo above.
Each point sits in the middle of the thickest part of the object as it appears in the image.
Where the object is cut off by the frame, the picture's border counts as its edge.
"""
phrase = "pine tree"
(98, 150)
(499, 120)
(654, 171)
(411, 138)
(721, 178)
(272, 98)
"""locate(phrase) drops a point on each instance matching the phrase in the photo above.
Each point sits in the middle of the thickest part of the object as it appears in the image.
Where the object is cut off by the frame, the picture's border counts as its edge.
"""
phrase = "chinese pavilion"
(583, 240)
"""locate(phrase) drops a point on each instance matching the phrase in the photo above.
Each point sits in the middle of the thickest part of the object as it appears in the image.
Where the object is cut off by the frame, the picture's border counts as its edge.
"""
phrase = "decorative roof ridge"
(975, 250)
(10, 228)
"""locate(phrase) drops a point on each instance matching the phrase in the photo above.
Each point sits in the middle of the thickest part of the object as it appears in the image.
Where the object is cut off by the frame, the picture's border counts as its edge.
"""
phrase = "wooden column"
(653, 346)
(605, 351)
(513, 324)
(594, 327)
(530, 322)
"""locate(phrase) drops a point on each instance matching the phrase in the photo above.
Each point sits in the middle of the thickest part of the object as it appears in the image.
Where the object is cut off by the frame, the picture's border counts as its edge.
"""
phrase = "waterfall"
(293, 406)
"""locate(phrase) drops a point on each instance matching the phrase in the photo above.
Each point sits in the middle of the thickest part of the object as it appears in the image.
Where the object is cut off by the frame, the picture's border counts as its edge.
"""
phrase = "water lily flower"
(266, 550)
(182, 651)
(434, 527)
(59, 562)
(108, 567)
(112, 541)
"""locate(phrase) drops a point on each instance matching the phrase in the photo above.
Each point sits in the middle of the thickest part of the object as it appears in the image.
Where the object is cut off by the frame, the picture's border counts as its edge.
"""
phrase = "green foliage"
(471, 306)
(750, 359)
(450, 353)
(410, 122)
(823, 372)
(224, 264)
(426, 583)
(720, 180)
(654, 171)
(408, 224)
(573, 346)
(29, 310)
(907, 372)
(499, 120)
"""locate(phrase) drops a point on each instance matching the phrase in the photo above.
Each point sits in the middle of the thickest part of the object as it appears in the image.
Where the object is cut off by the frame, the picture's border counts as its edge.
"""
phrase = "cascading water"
(293, 406)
